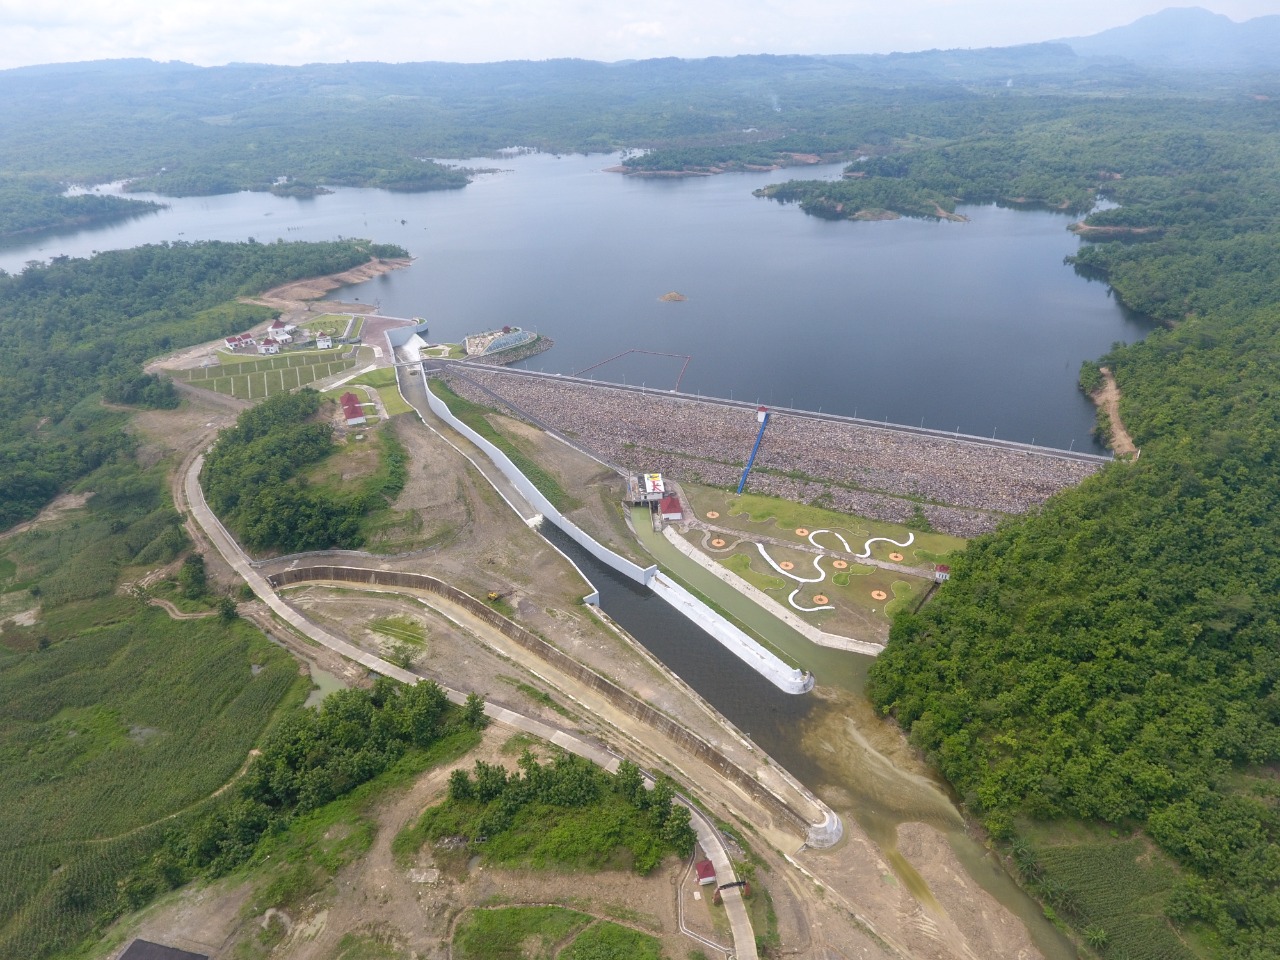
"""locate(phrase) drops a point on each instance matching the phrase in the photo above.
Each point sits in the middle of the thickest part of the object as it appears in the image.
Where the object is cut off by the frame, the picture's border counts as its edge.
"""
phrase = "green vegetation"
(1111, 658)
(477, 418)
(117, 724)
(299, 855)
(75, 328)
(402, 628)
(610, 941)
(384, 381)
(184, 130)
(252, 481)
(35, 205)
(356, 946)
(537, 696)
(256, 379)
(568, 813)
(516, 933)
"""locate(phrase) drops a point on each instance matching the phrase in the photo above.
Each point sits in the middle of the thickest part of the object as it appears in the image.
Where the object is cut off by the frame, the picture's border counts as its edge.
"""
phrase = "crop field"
(1114, 891)
(109, 737)
(258, 379)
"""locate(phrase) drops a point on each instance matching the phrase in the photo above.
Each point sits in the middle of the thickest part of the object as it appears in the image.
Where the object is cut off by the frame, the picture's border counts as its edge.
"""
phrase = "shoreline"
(314, 288)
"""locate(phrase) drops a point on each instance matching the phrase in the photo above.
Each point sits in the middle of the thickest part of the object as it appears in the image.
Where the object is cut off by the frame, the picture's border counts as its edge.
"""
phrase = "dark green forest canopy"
(1113, 658)
(76, 328)
(252, 478)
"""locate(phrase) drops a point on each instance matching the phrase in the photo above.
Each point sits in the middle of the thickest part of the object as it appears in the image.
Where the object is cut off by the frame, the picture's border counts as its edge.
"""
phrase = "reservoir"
(978, 327)
(975, 326)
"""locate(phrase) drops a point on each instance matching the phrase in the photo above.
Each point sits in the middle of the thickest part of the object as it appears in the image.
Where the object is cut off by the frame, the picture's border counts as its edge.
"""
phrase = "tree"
(473, 712)
(192, 579)
(227, 609)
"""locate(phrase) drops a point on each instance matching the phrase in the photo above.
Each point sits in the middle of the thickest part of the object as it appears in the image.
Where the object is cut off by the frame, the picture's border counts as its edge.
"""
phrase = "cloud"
(300, 31)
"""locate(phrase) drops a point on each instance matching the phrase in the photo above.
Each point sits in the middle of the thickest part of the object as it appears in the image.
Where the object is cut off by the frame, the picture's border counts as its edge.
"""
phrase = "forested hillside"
(184, 130)
(1113, 658)
(75, 328)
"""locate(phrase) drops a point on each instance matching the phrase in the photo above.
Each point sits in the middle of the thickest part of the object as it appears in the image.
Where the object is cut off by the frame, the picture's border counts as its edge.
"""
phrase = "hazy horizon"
(291, 32)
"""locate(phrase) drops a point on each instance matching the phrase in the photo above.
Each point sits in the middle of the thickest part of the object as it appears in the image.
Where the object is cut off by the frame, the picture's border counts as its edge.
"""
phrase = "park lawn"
(849, 591)
(755, 514)
(333, 324)
(383, 380)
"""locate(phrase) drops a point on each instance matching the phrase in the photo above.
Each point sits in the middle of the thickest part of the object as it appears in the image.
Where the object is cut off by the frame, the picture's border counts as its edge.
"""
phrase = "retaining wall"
(821, 834)
(538, 499)
(763, 661)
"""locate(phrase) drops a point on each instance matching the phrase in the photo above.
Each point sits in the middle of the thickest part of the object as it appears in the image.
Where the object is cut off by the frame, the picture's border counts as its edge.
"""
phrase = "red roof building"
(670, 508)
(351, 409)
(706, 872)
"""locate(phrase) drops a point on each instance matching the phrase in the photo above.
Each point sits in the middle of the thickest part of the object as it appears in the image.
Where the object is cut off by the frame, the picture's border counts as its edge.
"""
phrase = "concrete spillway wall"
(538, 499)
(823, 833)
(786, 678)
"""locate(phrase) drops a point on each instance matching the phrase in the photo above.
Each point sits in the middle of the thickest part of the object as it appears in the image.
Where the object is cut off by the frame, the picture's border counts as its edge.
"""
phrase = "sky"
(210, 32)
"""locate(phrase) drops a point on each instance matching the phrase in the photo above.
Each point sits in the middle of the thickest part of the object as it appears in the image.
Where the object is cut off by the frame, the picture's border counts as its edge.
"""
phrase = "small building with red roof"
(352, 410)
(671, 509)
(706, 871)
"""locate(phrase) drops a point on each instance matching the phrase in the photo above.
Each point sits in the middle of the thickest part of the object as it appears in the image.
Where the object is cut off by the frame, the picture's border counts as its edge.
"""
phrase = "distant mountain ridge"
(1190, 38)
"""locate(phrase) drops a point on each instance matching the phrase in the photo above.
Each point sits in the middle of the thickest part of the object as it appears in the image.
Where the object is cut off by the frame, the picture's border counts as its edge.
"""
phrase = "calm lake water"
(978, 327)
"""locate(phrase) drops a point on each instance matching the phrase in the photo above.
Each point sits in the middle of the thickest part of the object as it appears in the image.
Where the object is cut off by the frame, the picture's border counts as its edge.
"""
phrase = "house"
(941, 572)
(269, 346)
(281, 331)
(352, 410)
(324, 342)
(706, 872)
(670, 508)
(239, 340)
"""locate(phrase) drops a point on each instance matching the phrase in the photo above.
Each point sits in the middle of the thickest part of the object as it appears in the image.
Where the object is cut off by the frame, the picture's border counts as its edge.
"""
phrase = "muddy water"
(325, 684)
(832, 740)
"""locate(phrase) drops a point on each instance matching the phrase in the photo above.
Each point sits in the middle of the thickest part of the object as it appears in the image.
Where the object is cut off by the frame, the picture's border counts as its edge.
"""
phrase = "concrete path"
(706, 831)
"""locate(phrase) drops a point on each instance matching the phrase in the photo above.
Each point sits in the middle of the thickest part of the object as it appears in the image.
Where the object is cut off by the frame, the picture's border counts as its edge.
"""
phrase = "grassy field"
(255, 379)
(402, 628)
(383, 380)
(334, 324)
(476, 417)
(535, 933)
(515, 933)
